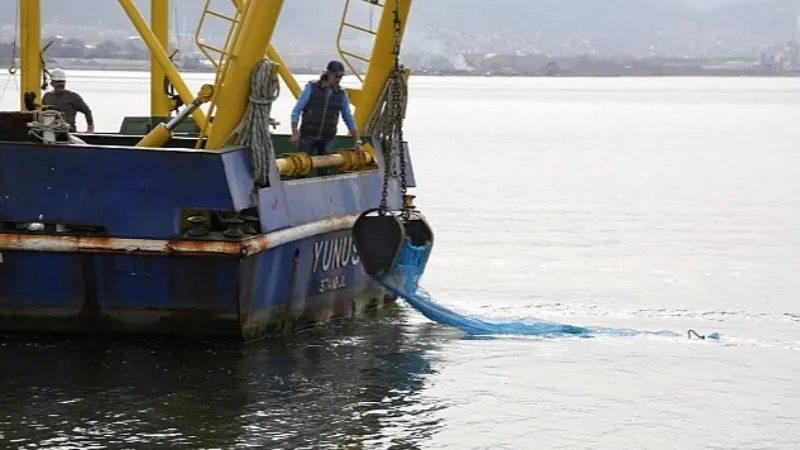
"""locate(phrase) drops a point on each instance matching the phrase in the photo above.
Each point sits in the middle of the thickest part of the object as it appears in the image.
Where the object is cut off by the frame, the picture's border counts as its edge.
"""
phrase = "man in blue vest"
(321, 104)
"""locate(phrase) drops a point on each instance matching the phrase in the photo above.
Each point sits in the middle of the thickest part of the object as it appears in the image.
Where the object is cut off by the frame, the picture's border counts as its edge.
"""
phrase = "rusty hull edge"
(242, 325)
(247, 247)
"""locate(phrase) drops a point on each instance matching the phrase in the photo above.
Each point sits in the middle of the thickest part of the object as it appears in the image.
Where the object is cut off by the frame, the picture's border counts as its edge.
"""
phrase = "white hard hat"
(58, 75)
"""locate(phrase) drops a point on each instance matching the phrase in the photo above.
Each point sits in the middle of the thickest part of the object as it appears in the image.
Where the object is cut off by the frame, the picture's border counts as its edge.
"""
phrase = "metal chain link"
(384, 193)
(397, 104)
(389, 140)
(395, 138)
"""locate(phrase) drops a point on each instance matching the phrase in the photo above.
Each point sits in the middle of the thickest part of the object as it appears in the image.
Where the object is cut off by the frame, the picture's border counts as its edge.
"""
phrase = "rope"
(253, 130)
(38, 127)
(12, 66)
(11, 77)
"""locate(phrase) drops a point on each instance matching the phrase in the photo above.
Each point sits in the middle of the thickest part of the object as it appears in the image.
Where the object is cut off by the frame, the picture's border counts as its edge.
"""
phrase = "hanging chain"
(387, 158)
(395, 138)
(397, 104)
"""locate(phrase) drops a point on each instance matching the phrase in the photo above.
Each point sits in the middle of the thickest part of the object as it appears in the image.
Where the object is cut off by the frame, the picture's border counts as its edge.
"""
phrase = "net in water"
(404, 280)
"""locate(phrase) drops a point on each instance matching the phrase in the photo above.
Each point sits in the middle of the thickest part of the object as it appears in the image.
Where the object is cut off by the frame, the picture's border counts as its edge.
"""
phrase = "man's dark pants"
(317, 147)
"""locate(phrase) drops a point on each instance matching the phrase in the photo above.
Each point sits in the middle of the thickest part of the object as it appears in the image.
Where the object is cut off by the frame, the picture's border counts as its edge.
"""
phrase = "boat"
(195, 220)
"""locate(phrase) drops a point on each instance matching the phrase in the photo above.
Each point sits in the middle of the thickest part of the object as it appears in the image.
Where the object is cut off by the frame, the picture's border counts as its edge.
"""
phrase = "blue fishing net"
(404, 279)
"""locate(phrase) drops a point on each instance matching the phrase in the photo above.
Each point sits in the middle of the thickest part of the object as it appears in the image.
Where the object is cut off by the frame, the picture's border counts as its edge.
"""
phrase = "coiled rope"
(37, 127)
(253, 130)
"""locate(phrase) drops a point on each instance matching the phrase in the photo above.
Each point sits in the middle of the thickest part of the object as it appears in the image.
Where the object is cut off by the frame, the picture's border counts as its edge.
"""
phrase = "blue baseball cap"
(336, 67)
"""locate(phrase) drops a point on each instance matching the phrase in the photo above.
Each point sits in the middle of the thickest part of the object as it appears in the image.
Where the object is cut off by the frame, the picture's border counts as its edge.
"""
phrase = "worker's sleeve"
(82, 107)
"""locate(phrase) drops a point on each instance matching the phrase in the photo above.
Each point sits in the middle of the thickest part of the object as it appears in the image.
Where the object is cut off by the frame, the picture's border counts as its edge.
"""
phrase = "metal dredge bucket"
(379, 238)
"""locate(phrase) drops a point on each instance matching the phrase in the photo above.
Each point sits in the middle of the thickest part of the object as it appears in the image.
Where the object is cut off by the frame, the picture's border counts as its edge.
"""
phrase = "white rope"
(254, 129)
(11, 77)
(37, 127)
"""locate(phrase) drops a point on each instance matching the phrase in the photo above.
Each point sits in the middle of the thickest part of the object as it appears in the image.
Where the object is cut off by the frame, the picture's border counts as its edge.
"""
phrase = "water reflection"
(350, 385)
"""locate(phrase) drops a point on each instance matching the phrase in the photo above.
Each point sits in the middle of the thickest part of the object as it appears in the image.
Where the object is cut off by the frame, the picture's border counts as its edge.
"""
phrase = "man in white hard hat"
(67, 102)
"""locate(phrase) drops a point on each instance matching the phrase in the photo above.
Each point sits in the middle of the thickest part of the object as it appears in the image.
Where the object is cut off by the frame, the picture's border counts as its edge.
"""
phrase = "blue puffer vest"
(321, 114)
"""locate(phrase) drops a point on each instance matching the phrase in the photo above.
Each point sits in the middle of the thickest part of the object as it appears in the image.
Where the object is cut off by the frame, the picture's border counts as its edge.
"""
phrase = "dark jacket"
(321, 113)
(68, 103)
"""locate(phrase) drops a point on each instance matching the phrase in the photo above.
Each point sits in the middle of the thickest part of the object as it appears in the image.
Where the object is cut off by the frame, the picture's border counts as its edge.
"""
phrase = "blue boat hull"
(281, 289)
(128, 264)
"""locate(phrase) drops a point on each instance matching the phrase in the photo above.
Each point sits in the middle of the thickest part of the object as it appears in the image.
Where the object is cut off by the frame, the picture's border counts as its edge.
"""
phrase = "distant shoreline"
(443, 73)
(122, 65)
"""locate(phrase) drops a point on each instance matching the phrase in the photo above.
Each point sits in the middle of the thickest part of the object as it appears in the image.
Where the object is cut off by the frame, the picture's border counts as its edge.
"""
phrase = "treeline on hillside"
(131, 49)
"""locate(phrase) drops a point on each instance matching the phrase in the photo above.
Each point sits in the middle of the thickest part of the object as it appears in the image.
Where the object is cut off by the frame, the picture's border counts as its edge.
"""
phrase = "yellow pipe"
(30, 19)
(273, 55)
(161, 57)
(159, 22)
(382, 61)
(162, 132)
(253, 38)
(284, 72)
(301, 164)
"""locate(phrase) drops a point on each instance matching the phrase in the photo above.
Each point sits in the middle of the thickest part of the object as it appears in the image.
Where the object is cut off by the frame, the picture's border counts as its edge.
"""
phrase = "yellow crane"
(248, 41)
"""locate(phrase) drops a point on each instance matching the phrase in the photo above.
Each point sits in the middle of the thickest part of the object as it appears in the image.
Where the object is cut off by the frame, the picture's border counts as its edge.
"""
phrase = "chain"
(397, 104)
(395, 137)
(385, 190)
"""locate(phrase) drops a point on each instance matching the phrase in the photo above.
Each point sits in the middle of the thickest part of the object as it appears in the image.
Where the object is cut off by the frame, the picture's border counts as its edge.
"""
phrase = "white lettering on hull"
(333, 254)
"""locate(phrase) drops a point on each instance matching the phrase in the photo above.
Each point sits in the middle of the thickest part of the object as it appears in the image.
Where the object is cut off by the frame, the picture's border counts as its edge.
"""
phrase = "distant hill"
(611, 25)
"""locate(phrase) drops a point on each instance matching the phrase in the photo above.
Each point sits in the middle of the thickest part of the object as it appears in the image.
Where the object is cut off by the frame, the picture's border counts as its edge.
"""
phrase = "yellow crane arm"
(247, 47)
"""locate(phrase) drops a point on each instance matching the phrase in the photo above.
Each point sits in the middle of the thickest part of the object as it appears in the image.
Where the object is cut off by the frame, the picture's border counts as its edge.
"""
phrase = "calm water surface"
(653, 204)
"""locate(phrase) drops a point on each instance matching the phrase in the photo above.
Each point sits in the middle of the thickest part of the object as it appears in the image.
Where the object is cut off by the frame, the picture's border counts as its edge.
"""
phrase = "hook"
(699, 336)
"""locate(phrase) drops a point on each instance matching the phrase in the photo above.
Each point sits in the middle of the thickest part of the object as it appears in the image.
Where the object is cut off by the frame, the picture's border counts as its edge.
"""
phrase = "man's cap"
(58, 75)
(336, 67)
